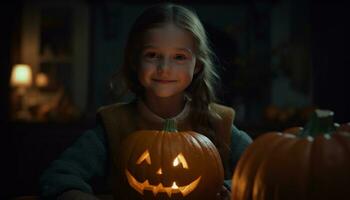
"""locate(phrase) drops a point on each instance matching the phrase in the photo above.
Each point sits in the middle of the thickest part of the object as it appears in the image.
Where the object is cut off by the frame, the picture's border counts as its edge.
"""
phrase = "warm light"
(174, 186)
(145, 185)
(180, 159)
(176, 162)
(21, 75)
(159, 171)
(41, 80)
(144, 157)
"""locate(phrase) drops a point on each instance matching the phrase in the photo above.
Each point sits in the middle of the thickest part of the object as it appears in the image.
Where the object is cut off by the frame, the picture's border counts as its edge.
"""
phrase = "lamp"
(21, 79)
(41, 80)
(21, 76)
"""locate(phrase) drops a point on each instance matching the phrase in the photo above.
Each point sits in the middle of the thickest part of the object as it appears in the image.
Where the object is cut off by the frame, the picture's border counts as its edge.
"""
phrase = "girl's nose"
(163, 64)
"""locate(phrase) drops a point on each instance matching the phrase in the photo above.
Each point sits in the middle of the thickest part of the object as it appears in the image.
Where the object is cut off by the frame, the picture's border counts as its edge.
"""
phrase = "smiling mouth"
(140, 187)
(164, 81)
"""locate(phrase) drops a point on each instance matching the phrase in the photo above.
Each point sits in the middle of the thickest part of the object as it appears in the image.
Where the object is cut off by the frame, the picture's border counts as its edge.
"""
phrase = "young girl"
(168, 67)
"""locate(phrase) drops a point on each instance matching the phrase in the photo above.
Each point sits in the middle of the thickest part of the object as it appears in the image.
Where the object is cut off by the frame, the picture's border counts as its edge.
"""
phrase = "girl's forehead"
(169, 36)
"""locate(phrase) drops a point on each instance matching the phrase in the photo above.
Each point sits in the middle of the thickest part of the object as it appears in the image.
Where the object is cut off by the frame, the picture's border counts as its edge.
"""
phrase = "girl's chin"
(166, 94)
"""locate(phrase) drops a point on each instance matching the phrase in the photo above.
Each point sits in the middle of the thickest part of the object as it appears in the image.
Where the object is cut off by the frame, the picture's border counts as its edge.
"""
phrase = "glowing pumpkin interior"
(178, 161)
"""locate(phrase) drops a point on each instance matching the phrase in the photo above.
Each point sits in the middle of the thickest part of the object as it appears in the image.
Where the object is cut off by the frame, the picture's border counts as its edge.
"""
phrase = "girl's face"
(168, 61)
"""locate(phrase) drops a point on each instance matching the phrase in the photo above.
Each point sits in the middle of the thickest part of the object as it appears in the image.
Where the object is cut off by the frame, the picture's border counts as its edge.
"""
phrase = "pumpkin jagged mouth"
(140, 187)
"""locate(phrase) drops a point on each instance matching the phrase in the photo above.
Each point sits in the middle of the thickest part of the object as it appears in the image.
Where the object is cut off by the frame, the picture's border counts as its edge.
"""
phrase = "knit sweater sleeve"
(240, 140)
(85, 158)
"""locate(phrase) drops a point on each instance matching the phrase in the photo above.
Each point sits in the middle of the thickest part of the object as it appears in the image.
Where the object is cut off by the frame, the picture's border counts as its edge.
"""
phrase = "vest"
(121, 119)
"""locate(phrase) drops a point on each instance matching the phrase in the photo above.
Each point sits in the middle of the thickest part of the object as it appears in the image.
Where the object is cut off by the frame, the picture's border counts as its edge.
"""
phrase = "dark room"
(245, 98)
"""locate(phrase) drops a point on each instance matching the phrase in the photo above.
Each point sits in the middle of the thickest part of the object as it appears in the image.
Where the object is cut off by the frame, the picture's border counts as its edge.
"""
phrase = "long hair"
(201, 89)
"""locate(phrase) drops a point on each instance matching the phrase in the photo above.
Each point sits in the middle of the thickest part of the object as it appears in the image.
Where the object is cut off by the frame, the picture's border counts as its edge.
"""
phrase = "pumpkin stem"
(169, 125)
(320, 123)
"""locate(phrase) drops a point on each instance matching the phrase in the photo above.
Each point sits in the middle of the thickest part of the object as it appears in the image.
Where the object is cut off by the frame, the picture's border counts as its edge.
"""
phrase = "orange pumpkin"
(301, 164)
(168, 164)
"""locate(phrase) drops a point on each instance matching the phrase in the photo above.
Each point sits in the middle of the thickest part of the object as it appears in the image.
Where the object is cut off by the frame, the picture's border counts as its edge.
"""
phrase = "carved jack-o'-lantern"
(171, 165)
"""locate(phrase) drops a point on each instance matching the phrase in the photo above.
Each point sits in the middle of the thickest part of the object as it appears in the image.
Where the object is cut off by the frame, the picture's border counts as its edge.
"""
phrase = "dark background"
(28, 148)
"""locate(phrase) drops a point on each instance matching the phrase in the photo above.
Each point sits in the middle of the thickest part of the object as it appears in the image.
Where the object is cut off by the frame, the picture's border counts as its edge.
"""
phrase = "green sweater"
(88, 158)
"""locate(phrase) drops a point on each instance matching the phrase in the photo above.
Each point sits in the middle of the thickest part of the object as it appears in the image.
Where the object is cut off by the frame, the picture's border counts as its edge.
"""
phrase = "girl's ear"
(198, 67)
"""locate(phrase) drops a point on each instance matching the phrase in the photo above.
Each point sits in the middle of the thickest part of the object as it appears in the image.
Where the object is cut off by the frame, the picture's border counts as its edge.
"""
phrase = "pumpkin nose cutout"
(159, 171)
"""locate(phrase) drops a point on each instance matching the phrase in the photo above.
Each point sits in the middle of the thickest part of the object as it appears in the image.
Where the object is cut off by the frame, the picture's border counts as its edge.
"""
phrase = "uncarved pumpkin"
(168, 164)
(300, 164)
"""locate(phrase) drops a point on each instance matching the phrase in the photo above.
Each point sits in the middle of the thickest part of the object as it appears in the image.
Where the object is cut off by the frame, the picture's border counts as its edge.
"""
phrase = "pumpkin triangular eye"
(180, 159)
(143, 157)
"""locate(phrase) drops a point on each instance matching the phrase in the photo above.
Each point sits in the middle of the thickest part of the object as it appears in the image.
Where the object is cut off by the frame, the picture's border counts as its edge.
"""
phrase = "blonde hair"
(201, 89)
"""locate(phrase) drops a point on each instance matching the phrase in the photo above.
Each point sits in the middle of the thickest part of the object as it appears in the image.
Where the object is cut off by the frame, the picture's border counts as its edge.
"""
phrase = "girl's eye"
(151, 55)
(180, 57)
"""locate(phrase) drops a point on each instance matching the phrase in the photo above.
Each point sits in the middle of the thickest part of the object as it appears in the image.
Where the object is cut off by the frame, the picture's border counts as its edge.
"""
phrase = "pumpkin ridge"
(269, 161)
(250, 167)
(345, 142)
(171, 149)
(321, 169)
(129, 153)
(200, 139)
(299, 163)
(134, 153)
(185, 138)
(306, 165)
(160, 148)
(342, 141)
(149, 140)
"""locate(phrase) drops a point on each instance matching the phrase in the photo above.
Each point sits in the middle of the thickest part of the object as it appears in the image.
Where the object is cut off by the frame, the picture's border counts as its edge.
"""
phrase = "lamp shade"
(21, 75)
